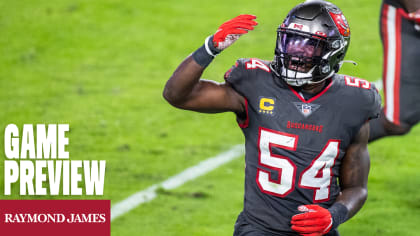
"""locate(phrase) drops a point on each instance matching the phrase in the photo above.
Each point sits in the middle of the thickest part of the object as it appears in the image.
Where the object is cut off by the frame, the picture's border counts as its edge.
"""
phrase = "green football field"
(101, 66)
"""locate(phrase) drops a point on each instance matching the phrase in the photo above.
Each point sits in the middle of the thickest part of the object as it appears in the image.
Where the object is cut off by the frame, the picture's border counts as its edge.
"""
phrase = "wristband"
(206, 53)
(339, 214)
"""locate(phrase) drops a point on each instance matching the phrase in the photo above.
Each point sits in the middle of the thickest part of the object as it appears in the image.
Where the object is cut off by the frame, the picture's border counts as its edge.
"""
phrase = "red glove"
(231, 30)
(415, 16)
(315, 221)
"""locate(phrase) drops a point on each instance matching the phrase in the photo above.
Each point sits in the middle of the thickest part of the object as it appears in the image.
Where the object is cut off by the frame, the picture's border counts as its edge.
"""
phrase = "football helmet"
(311, 43)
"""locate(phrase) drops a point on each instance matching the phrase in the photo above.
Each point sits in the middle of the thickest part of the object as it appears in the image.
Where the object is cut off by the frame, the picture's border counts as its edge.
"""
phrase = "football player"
(305, 127)
(400, 34)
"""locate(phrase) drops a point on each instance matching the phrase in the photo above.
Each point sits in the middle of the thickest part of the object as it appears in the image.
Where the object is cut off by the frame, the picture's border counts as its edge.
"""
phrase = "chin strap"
(319, 81)
(276, 73)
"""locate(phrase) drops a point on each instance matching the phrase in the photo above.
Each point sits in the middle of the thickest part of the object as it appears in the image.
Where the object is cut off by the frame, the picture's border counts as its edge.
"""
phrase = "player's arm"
(316, 220)
(354, 174)
(186, 90)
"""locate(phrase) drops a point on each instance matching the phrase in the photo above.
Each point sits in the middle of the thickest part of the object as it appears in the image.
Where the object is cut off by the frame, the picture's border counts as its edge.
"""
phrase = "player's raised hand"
(314, 221)
(232, 29)
(227, 34)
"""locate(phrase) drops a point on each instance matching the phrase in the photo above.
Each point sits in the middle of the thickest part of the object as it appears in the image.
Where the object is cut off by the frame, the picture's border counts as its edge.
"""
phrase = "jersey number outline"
(256, 64)
(357, 82)
(317, 176)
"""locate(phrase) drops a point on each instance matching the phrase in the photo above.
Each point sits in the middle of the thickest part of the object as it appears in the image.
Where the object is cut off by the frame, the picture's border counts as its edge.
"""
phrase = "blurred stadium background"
(101, 66)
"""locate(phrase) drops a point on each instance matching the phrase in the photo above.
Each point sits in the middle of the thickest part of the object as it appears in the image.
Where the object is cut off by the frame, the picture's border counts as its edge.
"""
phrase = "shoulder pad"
(363, 92)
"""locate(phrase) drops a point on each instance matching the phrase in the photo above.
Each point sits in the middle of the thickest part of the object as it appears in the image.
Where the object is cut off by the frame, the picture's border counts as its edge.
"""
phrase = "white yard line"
(191, 173)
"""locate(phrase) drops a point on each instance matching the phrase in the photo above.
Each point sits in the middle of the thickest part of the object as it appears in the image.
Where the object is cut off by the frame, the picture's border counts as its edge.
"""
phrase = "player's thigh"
(409, 94)
(410, 104)
(401, 75)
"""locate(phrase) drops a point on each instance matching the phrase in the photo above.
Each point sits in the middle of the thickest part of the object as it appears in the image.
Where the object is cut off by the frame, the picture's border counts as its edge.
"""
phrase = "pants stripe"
(391, 23)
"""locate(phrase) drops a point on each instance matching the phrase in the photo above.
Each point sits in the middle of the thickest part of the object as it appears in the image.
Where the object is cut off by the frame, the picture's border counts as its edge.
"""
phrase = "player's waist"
(271, 230)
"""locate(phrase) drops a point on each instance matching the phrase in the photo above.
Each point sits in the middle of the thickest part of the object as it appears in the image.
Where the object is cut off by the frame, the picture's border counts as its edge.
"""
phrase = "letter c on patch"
(267, 104)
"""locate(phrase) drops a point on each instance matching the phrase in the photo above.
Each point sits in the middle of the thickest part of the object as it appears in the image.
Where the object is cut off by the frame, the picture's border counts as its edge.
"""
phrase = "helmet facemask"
(301, 57)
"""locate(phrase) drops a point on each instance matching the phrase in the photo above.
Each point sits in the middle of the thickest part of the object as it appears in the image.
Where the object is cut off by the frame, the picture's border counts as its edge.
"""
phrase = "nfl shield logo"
(306, 109)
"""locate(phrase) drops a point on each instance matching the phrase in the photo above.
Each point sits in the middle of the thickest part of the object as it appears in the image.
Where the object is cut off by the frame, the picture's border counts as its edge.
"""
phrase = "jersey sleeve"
(236, 76)
(362, 95)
